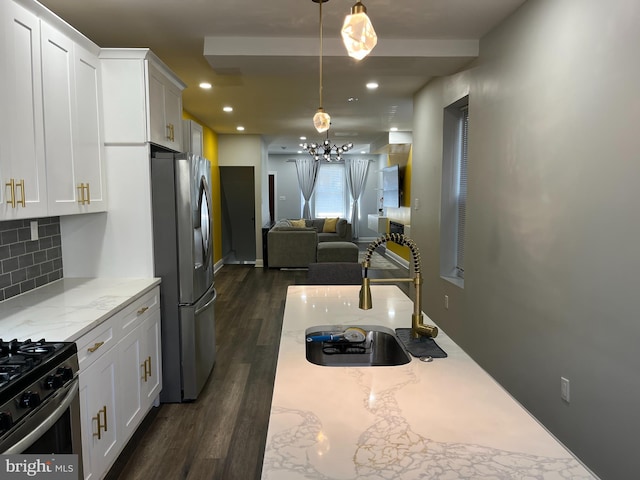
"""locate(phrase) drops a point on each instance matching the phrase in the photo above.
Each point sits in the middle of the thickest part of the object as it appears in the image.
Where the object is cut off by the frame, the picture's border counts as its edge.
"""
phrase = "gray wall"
(291, 205)
(551, 286)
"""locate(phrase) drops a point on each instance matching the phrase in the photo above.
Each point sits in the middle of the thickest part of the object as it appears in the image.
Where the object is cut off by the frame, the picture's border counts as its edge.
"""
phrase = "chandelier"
(326, 151)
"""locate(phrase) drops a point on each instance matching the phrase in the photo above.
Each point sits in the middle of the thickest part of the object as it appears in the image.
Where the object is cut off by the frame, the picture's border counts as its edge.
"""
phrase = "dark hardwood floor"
(222, 435)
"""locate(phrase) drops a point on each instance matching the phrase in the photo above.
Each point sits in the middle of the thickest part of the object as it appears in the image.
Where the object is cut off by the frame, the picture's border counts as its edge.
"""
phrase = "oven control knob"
(66, 373)
(53, 382)
(29, 400)
(5, 421)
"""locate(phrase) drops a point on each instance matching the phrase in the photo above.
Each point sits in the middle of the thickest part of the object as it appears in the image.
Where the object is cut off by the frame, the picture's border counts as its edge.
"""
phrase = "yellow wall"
(406, 202)
(210, 151)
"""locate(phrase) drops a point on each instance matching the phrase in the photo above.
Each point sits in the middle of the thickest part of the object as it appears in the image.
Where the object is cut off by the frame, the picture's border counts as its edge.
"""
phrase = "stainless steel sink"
(380, 348)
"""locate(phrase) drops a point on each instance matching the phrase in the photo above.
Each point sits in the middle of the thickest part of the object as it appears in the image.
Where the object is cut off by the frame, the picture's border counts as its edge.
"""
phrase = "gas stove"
(30, 373)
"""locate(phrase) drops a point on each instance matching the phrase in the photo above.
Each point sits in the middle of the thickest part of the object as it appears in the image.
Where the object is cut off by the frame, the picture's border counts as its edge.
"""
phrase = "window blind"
(330, 191)
(462, 191)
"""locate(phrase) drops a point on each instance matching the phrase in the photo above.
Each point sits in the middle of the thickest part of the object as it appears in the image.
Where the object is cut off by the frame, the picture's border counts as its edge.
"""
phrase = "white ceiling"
(262, 57)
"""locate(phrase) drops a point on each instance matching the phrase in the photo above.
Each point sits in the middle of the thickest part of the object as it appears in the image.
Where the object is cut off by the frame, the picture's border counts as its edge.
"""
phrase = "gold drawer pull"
(96, 346)
(101, 425)
(142, 310)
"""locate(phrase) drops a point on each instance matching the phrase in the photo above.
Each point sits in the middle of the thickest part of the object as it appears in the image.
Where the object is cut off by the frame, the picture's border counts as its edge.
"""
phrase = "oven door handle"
(34, 435)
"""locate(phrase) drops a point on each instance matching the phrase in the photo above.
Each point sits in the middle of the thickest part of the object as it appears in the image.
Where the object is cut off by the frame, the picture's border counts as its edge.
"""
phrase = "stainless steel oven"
(39, 399)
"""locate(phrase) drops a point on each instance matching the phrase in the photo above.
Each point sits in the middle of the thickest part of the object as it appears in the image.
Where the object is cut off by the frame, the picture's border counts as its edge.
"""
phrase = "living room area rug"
(379, 262)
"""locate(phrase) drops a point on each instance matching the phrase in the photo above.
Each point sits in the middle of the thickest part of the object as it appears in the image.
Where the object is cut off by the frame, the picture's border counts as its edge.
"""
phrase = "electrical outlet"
(446, 302)
(564, 389)
(34, 230)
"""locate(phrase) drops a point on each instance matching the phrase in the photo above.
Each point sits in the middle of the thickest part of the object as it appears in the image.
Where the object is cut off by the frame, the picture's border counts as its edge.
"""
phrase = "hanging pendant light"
(321, 120)
(358, 34)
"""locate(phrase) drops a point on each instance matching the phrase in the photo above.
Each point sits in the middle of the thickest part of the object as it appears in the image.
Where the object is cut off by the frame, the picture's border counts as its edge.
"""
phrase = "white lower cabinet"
(120, 378)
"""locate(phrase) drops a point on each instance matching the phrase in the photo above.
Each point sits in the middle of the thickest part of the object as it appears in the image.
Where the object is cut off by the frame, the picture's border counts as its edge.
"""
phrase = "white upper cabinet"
(51, 148)
(22, 157)
(142, 99)
(192, 137)
(73, 131)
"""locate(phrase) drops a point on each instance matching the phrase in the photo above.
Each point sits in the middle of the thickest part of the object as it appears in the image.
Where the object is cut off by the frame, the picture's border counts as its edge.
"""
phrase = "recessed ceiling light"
(372, 85)
(227, 109)
(363, 152)
(299, 152)
(393, 129)
(303, 138)
(205, 85)
(352, 99)
(240, 128)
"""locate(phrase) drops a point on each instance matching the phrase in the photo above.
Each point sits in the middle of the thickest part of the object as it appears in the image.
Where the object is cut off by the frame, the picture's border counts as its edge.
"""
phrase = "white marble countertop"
(66, 309)
(443, 419)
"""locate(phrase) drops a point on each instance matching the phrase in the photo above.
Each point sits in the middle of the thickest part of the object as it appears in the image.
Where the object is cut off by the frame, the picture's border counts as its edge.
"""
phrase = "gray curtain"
(356, 172)
(307, 169)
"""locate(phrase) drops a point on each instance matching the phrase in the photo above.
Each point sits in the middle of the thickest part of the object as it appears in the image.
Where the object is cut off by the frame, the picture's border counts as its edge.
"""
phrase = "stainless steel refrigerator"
(183, 253)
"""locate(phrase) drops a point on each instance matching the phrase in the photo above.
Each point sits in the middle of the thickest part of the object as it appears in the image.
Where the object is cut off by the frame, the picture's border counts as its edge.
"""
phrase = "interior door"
(237, 185)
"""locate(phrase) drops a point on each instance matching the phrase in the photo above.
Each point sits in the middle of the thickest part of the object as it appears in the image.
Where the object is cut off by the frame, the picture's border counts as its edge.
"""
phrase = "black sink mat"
(420, 347)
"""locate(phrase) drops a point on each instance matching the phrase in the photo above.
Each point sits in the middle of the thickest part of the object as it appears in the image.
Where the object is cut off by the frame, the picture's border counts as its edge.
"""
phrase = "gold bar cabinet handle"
(144, 367)
(12, 188)
(88, 194)
(148, 362)
(80, 189)
(21, 201)
(99, 423)
(96, 346)
(104, 412)
(142, 310)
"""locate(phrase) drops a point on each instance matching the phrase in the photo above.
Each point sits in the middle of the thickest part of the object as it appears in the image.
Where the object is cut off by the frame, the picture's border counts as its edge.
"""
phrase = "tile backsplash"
(26, 264)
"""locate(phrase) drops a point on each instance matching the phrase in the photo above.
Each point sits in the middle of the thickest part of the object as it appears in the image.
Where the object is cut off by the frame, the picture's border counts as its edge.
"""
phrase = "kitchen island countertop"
(443, 419)
(68, 308)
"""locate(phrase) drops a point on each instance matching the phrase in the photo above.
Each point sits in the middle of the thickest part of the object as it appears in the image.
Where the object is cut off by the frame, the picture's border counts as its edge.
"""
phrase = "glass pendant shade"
(358, 34)
(321, 120)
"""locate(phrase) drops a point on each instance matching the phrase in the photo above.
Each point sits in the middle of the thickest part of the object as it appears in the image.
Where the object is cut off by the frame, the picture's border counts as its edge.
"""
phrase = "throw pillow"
(341, 228)
(330, 225)
(298, 223)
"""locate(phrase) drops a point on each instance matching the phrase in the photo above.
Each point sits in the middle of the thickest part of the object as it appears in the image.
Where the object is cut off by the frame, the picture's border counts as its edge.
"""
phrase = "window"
(330, 197)
(454, 190)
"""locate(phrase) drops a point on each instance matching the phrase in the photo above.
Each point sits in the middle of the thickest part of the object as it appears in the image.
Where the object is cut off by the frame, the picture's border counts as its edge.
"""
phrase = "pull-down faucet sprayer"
(418, 328)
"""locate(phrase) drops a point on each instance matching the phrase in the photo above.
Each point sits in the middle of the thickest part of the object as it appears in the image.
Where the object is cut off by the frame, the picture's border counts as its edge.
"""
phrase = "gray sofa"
(295, 247)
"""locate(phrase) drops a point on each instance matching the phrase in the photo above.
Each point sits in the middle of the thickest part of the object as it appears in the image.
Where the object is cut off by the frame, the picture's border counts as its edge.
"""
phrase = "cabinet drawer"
(137, 312)
(95, 343)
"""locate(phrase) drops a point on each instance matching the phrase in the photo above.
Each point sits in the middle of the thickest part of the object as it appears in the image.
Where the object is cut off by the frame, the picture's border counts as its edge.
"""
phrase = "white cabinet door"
(192, 137)
(165, 111)
(87, 129)
(152, 380)
(139, 371)
(22, 156)
(73, 136)
(131, 372)
(99, 415)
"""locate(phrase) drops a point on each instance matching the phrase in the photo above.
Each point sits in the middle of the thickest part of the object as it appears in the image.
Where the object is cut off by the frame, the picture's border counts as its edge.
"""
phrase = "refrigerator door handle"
(206, 305)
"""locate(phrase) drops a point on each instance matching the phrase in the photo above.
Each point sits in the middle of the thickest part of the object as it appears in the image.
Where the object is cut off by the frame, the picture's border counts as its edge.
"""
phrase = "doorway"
(237, 198)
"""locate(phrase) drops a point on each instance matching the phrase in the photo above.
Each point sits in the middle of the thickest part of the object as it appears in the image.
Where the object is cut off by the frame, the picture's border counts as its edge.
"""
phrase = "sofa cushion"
(330, 225)
(341, 227)
(298, 223)
(317, 223)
